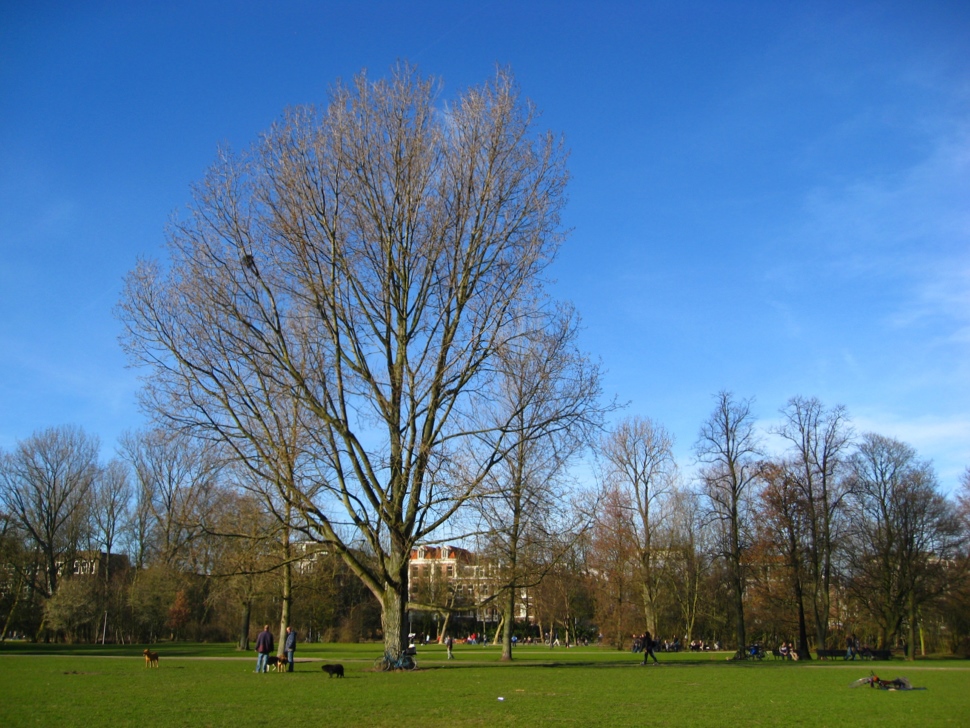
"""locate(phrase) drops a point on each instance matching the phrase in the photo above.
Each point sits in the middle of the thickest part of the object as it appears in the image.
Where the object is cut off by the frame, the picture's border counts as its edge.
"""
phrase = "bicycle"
(874, 681)
(405, 661)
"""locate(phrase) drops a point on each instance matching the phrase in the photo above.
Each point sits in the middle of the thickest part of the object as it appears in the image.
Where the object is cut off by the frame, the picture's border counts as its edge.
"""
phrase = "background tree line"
(203, 557)
(838, 534)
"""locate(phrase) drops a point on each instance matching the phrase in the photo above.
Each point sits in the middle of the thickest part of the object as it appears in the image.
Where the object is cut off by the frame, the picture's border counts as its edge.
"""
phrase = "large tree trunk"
(649, 611)
(394, 605)
(444, 628)
(739, 616)
(913, 616)
(803, 653)
(393, 619)
(243, 644)
(287, 588)
(13, 608)
(738, 584)
(287, 585)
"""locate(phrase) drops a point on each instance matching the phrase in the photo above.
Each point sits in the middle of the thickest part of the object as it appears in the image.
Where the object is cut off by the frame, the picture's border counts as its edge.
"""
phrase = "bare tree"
(176, 476)
(274, 488)
(955, 616)
(728, 448)
(109, 508)
(612, 562)
(904, 532)
(545, 413)
(820, 440)
(782, 514)
(45, 485)
(20, 566)
(247, 552)
(688, 555)
(367, 262)
(640, 469)
(963, 500)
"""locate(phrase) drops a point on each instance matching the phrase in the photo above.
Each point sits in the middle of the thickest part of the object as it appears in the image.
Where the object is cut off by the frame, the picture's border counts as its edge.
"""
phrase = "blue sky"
(771, 198)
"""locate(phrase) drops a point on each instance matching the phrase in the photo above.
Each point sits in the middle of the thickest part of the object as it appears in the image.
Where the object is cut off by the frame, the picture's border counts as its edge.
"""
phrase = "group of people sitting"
(674, 645)
(787, 651)
(702, 646)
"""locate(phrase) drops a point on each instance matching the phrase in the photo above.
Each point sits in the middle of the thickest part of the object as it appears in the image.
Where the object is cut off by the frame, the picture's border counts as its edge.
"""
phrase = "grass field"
(212, 685)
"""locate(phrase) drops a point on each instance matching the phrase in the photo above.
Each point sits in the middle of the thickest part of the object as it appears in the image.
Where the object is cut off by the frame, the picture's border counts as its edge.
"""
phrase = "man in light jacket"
(289, 647)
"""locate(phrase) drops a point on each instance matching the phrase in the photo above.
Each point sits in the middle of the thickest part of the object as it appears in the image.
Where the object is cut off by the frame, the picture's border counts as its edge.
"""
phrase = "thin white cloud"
(901, 224)
(945, 440)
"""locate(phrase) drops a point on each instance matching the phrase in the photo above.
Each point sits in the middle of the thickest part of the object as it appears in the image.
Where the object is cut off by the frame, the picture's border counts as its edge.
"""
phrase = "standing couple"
(264, 648)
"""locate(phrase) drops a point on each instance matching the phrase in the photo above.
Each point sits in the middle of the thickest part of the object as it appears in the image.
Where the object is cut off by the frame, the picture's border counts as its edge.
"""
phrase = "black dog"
(332, 670)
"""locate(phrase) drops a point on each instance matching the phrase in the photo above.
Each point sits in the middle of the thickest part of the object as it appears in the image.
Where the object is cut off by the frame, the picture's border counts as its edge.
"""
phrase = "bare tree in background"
(820, 440)
(367, 262)
(728, 450)
(176, 476)
(782, 515)
(247, 552)
(545, 413)
(616, 581)
(44, 485)
(640, 470)
(110, 508)
(688, 547)
(903, 535)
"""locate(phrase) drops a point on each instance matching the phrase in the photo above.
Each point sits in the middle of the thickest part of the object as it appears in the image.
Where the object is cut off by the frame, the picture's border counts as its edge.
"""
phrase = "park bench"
(829, 654)
(876, 654)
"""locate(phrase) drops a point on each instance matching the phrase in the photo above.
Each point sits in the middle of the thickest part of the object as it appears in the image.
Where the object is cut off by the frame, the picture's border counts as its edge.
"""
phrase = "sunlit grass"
(89, 687)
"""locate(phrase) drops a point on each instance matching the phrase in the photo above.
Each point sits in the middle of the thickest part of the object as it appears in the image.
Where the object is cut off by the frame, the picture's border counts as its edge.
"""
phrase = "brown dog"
(332, 670)
(281, 664)
(151, 658)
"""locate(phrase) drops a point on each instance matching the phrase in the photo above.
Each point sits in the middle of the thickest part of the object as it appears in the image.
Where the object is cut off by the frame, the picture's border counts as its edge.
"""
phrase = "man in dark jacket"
(289, 647)
(647, 640)
(264, 648)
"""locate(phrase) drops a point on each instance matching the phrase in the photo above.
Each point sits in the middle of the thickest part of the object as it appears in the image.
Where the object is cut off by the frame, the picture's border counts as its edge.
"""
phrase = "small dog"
(151, 658)
(281, 663)
(272, 661)
(332, 670)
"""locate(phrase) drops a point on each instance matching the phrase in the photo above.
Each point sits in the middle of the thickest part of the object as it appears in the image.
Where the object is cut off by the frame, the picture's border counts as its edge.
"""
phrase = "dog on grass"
(332, 670)
(151, 658)
(281, 663)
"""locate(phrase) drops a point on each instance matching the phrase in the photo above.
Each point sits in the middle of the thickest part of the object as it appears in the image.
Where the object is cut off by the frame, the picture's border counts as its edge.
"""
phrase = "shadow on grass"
(602, 665)
(169, 649)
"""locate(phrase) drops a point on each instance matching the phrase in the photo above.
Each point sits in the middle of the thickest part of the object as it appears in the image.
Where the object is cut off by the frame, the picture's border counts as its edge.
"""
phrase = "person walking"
(264, 648)
(850, 647)
(450, 644)
(647, 645)
(289, 647)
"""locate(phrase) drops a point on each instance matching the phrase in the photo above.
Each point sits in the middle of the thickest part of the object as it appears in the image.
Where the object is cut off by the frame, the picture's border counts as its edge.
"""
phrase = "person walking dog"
(264, 648)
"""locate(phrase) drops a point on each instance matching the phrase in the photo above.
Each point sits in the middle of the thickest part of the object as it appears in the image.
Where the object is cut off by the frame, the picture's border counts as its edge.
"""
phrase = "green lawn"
(211, 685)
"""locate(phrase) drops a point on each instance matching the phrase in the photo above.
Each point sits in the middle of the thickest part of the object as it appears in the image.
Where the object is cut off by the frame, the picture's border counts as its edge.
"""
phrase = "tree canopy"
(333, 302)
